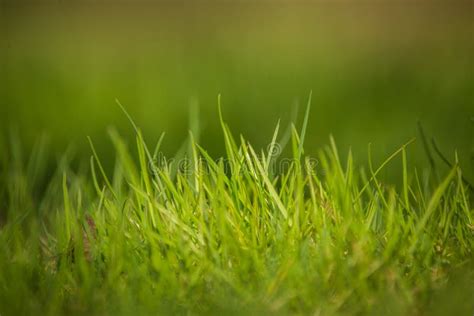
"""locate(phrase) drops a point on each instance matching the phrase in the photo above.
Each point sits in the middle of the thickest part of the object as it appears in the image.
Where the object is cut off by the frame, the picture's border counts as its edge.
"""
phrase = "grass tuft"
(245, 233)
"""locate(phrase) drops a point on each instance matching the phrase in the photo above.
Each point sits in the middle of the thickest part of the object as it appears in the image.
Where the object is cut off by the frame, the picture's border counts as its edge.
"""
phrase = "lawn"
(169, 158)
(246, 233)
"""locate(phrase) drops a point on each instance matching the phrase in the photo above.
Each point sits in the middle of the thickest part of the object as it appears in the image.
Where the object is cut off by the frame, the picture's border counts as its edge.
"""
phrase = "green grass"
(248, 233)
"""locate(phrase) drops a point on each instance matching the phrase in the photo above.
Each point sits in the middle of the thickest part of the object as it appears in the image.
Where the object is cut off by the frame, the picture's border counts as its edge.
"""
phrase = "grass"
(248, 233)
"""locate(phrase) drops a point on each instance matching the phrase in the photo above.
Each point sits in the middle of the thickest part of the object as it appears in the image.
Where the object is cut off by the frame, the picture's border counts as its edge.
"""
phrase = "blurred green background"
(375, 68)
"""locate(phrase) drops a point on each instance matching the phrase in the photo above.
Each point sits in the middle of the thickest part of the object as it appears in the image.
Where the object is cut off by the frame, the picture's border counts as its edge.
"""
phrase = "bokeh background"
(375, 69)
